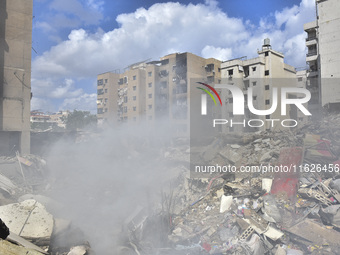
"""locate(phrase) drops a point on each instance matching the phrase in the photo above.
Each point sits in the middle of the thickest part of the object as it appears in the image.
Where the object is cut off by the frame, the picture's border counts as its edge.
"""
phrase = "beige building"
(323, 56)
(262, 74)
(15, 75)
(154, 90)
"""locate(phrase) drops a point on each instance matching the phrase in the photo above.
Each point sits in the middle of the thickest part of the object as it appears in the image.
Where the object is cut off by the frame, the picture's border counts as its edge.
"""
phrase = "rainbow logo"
(204, 97)
(208, 92)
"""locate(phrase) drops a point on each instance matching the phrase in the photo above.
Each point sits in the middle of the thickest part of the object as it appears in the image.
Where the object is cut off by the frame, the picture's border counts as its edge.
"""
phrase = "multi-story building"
(154, 90)
(323, 57)
(262, 74)
(15, 75)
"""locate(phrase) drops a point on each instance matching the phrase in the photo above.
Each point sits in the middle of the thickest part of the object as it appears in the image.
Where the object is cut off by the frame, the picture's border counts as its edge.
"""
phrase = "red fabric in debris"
(287, 181)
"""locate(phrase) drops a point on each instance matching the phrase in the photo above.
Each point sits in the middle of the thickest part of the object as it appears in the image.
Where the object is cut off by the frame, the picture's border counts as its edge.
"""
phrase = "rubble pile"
(258, 212)
(26, 223)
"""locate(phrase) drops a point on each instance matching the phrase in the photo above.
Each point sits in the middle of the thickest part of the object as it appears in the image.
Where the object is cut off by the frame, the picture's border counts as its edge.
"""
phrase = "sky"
(75, 40)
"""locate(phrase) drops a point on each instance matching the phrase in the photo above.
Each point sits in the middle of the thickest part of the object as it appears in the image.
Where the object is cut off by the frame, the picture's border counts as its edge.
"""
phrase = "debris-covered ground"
(294, 210)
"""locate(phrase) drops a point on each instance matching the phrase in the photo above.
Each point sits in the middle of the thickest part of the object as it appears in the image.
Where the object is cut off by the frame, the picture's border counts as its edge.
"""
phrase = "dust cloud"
(102, 179)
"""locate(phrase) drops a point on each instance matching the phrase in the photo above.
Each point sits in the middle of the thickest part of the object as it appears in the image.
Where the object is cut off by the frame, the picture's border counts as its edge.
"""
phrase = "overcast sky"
(74, 40)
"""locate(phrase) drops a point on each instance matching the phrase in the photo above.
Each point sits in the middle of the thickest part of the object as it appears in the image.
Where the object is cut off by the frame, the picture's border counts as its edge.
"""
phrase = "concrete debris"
(315, 233)
(28, 219)
(7, 185)
(14, 238)
(226, 202)
(78, 250)
(12, 249)
(296, 211)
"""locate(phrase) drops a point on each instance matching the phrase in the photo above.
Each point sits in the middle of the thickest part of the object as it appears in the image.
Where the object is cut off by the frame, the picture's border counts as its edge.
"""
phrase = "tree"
(80, 119)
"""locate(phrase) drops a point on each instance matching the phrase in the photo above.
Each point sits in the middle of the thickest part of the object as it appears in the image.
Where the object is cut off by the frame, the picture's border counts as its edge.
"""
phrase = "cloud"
(216, 52)
(42, 104)
(86, 102)
(203, 29)
(66, 90)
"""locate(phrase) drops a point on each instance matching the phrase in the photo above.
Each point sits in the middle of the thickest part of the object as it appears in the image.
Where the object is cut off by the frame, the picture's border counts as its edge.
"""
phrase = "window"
(121, 81)
(134, 87)
(149, 74)
(134, 108)
(100, 82)
(254, 98)
(125, 99)
(105, 90)
(134, 98)
(150, 106)
(300, 79)
(266, 87)
(254, 83)
(105, 80)
(100, 110)
(150, 84)
(150, 95)
(230, 72)
(219, 70)
(100, 92)
(267, 101)
(134, 77)
(125, 109)
(254, 68)
(266, 73)
(267, 117)
(105, 100)
(125, 79)
(266, 54)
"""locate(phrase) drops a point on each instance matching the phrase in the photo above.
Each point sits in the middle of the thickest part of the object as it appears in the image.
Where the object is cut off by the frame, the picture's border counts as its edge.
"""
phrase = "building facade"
(323, 56)
(261, 74)
(15, 75)
(154, 90)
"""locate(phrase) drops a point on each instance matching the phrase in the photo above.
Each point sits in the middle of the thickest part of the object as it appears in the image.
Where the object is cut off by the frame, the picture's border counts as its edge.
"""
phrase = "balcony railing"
(309, 38)
(312, 53)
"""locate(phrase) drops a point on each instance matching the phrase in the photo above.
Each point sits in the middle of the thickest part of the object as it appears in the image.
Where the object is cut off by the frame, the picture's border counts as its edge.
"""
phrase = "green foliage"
(80, 120)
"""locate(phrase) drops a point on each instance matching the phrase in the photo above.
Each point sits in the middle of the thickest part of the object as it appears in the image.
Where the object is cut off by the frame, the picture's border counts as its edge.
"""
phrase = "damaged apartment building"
(154, 90)
(323, 56)
(15, 75)
(261, 74)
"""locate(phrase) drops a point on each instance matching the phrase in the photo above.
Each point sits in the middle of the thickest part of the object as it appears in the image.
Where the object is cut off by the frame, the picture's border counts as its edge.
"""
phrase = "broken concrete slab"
(235, 146)
(230, 155)
(226, 202)
(315, 233)
(14, 238)
(78, 250)
(28, 219)
(13, 249)
(7, 185)
(267, 184)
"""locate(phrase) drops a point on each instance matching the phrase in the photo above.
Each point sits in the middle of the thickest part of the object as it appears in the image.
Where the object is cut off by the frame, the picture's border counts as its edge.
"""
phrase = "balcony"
(310, 26)
(311, 55)
(310, 38)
